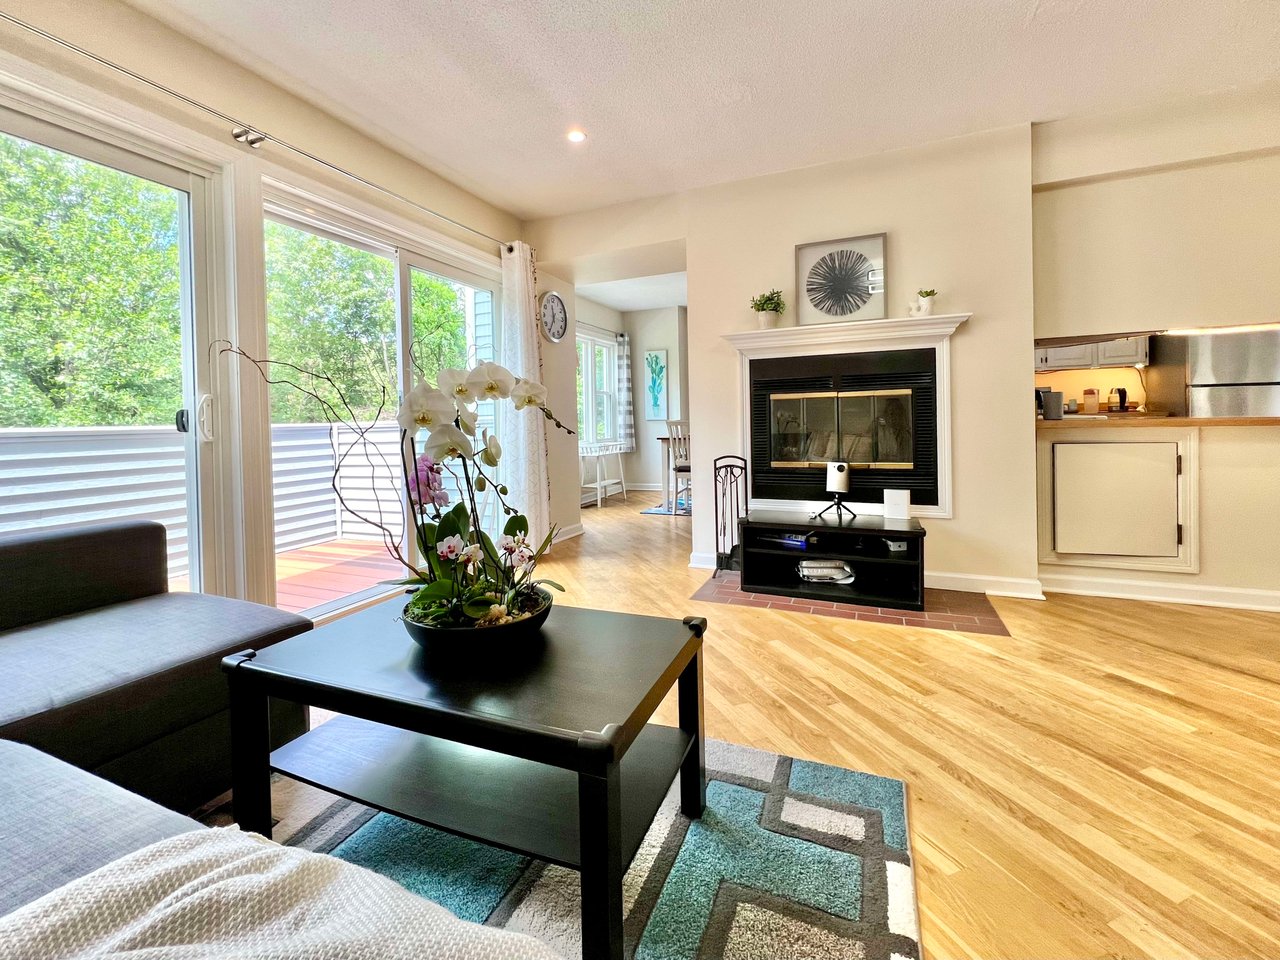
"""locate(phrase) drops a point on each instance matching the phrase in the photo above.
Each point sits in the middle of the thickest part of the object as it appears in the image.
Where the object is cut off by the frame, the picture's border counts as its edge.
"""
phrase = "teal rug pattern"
(792, 859)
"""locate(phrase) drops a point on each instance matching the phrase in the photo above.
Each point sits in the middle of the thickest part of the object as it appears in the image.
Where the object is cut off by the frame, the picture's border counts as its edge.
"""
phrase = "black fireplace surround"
(868, 409)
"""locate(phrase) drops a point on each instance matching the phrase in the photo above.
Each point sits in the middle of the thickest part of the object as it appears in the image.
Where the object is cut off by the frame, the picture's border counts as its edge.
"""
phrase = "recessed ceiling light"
(576, 136)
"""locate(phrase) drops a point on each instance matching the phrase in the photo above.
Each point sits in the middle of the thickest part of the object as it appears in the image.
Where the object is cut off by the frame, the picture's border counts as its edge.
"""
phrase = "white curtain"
(523, 432)
(626, 418)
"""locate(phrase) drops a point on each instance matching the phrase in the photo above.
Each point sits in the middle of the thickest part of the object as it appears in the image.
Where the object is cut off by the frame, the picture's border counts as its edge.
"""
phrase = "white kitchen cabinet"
(1116, 499)
(1071, 358)
(1123, 353)
(1084, 356)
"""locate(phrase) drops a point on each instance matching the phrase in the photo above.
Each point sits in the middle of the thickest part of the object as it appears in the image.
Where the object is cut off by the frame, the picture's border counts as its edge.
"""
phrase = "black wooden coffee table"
(547, 753)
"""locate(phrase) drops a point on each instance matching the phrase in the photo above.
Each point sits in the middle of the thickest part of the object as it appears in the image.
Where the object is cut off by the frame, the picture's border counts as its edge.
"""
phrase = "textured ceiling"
(676, 94)
(639, 293)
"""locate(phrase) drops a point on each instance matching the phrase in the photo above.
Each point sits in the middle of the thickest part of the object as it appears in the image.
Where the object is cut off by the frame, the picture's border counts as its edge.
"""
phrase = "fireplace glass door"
(868, 429)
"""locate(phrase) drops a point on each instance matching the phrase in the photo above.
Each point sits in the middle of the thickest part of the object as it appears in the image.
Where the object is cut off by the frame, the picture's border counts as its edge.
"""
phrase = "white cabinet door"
(1116, 499)
(1070, 358)
(1122, 353)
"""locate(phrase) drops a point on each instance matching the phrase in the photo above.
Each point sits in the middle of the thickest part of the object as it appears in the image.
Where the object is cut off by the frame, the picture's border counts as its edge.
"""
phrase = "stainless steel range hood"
(1234, 375)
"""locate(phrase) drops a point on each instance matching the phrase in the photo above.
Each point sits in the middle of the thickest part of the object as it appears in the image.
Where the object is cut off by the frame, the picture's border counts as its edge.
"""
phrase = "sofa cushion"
(58, 823)
(53, 573)
(92, 686)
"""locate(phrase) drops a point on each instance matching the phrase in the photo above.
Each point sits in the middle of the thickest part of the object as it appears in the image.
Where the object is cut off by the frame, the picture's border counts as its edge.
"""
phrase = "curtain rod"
(243, 132)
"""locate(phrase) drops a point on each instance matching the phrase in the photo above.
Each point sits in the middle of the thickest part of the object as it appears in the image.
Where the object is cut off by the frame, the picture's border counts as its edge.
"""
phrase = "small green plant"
(926, 293)
(771, 301)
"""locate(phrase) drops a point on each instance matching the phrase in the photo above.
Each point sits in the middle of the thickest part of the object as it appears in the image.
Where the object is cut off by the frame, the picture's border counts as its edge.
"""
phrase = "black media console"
(885, 557)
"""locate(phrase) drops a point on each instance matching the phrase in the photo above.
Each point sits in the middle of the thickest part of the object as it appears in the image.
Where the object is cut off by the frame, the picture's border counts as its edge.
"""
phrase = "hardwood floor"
(1102, 783)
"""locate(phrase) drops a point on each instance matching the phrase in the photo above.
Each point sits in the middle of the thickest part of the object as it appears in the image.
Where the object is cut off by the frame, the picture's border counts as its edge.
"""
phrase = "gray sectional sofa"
(106, 669)
(61, 823)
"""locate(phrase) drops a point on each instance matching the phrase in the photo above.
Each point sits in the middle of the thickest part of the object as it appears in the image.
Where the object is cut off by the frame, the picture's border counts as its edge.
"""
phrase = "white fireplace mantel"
(897, 333)
(865, 336)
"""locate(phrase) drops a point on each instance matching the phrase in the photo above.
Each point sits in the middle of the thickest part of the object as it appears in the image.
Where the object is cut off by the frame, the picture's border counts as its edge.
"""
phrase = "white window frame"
(609, 341)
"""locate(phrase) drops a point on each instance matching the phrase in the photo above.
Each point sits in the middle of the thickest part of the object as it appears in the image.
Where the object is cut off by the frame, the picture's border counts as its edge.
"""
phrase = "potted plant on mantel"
(469, 584)
(923, 306)
(769, 308)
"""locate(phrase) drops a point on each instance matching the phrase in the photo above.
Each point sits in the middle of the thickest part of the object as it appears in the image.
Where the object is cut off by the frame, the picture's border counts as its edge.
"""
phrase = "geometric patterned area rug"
(943, 609)
(792, 859)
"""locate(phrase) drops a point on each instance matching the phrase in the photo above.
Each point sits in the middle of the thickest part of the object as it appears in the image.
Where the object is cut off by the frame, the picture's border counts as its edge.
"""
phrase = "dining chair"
(681, 465)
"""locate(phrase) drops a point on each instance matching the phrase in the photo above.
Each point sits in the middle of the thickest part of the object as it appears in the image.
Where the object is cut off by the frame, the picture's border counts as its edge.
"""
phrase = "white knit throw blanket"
(223, 894)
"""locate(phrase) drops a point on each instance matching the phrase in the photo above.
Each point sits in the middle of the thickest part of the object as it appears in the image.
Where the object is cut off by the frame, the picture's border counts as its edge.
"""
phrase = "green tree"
(90, 293)
(331, 310)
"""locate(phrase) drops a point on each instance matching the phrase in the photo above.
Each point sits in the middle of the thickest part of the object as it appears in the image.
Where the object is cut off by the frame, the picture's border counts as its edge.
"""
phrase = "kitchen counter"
(1155, 420)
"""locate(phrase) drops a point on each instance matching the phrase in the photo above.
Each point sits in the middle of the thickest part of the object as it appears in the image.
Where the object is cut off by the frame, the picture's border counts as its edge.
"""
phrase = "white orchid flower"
(473, 555)
(467, 421)
(491, 453)
(448, 441)
(451, 548)
(527, 393)
(425, 406)
(454, 384)
(491, 381)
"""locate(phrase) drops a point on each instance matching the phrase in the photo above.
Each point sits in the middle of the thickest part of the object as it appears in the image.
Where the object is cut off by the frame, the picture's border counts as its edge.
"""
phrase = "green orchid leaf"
(517, 526)
(478, 608)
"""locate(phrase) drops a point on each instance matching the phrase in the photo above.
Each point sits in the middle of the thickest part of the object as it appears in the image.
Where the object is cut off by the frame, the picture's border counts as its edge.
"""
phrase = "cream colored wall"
(958, 216)
(598, 315)
(1157, 218)
(653, 330)
(1160, 218)
(122, 34)
(1182, 247)
(559, 375)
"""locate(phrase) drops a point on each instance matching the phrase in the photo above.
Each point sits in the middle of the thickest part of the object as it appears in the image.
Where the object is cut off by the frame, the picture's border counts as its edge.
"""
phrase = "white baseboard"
(702, 561)
(568, 533)
(652, 487)
(1163, 592)
(1023, 589)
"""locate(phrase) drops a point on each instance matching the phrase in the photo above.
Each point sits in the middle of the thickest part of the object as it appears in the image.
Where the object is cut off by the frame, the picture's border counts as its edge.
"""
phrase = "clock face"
(554, 317)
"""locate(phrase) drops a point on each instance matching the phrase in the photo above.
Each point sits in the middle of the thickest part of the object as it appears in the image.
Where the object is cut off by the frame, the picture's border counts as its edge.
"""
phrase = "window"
(333, 309)
(96, 341)
(597, 387)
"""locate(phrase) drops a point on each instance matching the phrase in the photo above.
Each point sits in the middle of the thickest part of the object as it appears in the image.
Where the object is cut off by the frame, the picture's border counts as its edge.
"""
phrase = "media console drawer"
(884, 558)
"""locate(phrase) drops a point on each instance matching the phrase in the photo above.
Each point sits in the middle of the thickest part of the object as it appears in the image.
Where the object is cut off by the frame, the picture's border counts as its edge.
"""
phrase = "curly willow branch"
(339, 417)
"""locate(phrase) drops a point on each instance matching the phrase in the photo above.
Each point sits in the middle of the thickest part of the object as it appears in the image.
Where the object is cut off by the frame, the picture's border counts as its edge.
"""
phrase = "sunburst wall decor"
(841, 280)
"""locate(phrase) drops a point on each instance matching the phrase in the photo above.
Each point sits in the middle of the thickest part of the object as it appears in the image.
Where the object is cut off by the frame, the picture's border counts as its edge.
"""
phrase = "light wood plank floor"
(1102, 783)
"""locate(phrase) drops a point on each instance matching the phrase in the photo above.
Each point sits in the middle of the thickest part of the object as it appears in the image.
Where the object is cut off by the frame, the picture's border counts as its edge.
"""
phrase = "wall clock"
(553, 316)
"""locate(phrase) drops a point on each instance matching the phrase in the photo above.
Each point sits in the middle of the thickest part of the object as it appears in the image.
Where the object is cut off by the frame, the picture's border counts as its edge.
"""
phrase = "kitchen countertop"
(1155, 420)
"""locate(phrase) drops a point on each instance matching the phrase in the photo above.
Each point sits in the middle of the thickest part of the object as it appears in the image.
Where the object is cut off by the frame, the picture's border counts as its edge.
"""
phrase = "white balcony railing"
(58, 477)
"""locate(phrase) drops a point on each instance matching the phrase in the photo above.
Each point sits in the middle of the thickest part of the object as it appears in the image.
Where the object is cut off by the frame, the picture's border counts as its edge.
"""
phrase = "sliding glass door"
(98, 410)
(358, 324)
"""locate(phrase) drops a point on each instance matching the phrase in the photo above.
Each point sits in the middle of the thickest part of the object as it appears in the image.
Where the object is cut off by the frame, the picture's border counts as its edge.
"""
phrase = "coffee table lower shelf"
(520, 805)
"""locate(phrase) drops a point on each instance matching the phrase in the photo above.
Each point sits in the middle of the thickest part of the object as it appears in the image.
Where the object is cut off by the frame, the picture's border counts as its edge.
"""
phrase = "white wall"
(653, 330)
(958, 216)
